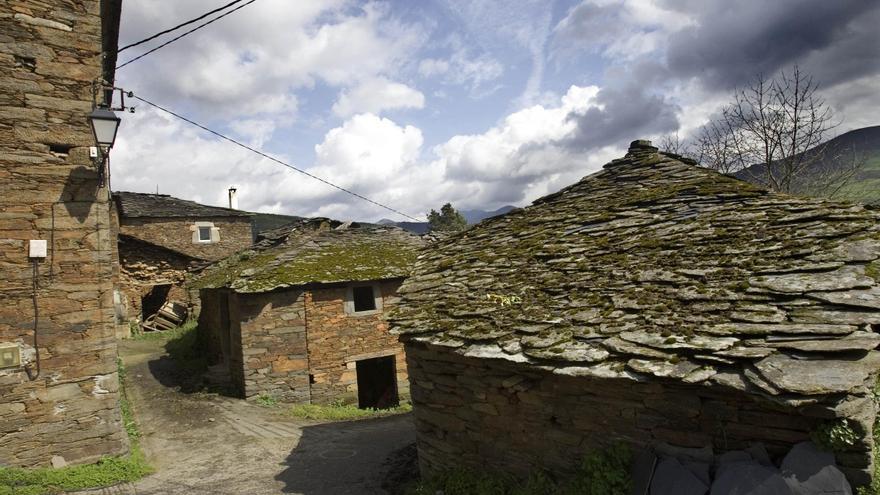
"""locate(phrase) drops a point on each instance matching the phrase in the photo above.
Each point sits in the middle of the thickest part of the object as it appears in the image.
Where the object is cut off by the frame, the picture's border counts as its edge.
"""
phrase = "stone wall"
(176, 233)
(272, 329)
(490, 413)
(49, 56)
(337, 340)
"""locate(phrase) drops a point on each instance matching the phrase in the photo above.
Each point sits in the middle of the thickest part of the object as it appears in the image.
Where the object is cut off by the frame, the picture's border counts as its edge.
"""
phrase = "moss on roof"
(310, 253)
(654, 256)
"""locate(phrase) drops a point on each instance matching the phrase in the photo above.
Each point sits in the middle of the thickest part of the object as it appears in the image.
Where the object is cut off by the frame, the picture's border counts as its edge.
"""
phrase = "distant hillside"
(270, 221)
(865, 142)
(475, 216)
(472, 217)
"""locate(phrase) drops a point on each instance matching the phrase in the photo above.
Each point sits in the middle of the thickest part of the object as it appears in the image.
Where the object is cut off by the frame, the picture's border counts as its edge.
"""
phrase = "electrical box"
(10, 355)
(93, 152)
(37, 248)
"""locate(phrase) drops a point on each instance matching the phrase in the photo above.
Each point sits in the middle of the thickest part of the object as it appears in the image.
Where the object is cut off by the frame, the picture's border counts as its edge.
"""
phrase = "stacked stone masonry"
(176, 234)
(50, 53)
(490, 413)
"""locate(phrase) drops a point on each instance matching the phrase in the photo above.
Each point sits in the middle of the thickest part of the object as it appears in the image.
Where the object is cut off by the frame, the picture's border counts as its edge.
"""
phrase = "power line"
(175, 28)
(172, 40)
(264, 155)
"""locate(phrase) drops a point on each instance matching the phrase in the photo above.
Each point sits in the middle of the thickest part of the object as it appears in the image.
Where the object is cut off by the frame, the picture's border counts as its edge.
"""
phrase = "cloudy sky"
(480, 103)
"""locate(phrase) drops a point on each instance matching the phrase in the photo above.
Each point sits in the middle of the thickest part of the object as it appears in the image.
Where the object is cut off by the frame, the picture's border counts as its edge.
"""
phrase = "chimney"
(233, 198)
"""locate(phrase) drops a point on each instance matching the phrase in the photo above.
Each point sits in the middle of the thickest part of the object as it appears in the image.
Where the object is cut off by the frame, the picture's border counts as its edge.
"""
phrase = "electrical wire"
(36, 321)
(264, 155)
(175, 28)
(172, 40)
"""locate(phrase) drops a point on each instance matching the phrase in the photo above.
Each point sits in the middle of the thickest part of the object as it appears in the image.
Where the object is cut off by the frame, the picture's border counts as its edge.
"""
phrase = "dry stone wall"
(491, 413)
(175, 233)
(338, 340)
(272, 347)
(49, 56)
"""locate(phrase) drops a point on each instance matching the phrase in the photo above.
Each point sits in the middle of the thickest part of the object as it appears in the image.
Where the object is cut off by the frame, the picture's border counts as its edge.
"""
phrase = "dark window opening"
(60, 149)
(154, 300)
(377, 383)
(27, 63)
(311, 379)
(363, 299)
(205, 234)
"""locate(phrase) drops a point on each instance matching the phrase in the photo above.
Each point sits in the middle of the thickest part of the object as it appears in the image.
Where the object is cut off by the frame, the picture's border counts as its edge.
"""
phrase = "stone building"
(162, 239)
(301, 316)
(653, 301)
(58, 381)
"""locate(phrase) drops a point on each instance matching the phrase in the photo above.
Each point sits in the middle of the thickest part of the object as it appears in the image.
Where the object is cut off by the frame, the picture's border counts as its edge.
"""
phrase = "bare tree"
(782, 124)
(672, 143)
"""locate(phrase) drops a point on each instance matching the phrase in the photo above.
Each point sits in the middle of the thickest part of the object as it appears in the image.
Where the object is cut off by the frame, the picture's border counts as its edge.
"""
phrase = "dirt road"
(208, 444)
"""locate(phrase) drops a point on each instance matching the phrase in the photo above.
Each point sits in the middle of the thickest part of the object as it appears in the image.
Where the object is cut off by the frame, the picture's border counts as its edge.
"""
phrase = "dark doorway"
(377, 383)
(153, 301)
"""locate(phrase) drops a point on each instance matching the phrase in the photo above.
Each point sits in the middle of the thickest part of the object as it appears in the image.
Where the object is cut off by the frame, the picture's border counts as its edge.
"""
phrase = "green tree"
(448, 220)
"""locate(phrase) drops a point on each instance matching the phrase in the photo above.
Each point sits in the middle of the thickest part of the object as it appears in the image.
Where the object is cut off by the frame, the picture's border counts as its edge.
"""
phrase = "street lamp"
(104, 125)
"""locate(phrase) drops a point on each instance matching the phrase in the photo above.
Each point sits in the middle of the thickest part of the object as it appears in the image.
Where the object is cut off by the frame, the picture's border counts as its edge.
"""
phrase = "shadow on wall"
(79, 193)
(353, 457)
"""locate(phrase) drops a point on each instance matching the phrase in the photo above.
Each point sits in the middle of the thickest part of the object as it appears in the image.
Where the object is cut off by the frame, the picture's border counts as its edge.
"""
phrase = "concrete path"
(208, 444)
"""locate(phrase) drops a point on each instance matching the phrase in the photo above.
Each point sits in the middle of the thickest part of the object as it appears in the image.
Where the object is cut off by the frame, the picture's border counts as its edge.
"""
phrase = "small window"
(204, 234)
(363, 299)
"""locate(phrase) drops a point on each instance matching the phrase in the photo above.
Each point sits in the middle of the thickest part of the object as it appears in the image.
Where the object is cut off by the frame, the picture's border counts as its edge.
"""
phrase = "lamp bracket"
(106, 97)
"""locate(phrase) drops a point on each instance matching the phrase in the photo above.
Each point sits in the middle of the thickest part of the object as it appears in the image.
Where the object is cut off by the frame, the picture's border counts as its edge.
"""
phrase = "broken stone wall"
(143, 266)
(177, 234)
(490, 413)
(272, 331)
(49, 56)
(338, 340)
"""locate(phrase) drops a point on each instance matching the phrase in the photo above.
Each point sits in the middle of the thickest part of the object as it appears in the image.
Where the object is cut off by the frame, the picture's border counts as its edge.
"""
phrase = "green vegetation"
(266, 400)
(182, 346)
(356, 257)
(447, 220)
(834, 436)
(343, 412)
(106, 472)
(603, 472)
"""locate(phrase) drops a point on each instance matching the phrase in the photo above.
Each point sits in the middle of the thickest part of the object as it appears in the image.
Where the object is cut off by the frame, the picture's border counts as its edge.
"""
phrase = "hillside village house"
(653, 301)
(162, 239)
(58, 401)
(301, 316)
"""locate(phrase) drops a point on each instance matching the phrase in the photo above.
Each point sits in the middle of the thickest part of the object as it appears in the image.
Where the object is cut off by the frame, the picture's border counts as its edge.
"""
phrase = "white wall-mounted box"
(10, 355)
(37, 248)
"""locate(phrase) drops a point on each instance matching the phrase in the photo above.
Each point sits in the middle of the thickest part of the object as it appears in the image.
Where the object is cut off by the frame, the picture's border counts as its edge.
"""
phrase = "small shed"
(653, 301)
(300, 316)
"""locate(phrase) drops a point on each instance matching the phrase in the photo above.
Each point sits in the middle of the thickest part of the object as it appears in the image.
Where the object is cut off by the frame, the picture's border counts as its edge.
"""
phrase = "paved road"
(208, 444)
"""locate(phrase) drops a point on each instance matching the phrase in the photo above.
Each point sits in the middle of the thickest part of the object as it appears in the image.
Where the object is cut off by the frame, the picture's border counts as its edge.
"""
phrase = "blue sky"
(479, 103)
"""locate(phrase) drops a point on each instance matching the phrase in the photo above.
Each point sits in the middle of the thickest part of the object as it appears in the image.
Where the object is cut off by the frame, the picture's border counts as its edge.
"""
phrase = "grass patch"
(266, 400)
(182, 346)
(106, 472)
(602, 472)
(343, 412)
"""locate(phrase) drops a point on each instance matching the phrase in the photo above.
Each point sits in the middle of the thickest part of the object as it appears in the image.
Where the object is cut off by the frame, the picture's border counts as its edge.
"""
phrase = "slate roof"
(316, 251)
(656, 268)
(134, 205)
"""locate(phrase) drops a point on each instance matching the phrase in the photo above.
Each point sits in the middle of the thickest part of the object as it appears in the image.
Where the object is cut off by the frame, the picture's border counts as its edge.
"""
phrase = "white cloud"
(253, 62)
(516, 161)
(375, 95)
(464, 68)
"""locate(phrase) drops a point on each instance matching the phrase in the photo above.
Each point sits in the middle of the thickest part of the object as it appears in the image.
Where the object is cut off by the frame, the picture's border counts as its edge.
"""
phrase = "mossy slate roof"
(656, 268)
(316, 251)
